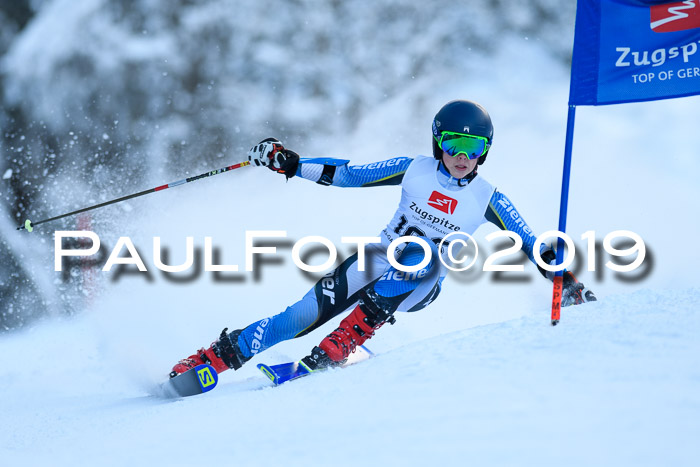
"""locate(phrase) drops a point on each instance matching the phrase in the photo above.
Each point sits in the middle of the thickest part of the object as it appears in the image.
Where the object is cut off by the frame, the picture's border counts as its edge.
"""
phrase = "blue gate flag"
(635, 50)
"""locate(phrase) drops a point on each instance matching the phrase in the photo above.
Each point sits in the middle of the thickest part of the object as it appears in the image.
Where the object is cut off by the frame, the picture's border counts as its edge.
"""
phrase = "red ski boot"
(222, 355)
(354, 330)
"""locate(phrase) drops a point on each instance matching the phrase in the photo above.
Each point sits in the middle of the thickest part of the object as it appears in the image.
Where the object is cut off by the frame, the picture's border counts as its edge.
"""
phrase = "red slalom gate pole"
(29, 225)
(556, 300)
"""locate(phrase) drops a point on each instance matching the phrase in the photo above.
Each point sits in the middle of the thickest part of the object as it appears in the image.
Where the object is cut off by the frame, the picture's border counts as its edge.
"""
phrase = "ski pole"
(29, 225)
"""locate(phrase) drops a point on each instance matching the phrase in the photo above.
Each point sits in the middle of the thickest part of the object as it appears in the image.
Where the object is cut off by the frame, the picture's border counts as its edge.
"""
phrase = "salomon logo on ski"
(205, 377)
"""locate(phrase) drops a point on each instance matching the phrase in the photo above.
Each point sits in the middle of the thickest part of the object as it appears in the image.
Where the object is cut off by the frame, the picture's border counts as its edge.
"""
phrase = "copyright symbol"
(465, 242)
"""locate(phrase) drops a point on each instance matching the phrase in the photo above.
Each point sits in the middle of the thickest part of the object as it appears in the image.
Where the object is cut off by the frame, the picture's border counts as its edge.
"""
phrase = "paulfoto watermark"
(458, 252)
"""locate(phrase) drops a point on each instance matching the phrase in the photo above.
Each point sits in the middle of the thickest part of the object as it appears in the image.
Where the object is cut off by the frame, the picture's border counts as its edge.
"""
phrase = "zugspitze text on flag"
(635, 50)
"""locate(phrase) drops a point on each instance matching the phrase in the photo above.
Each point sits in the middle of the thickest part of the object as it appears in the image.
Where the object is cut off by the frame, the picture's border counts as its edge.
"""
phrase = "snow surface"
(616, 384)
(479, 378)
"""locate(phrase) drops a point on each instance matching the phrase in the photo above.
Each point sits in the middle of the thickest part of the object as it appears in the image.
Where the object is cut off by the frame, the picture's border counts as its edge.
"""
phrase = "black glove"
(574, 292)
(271, 154)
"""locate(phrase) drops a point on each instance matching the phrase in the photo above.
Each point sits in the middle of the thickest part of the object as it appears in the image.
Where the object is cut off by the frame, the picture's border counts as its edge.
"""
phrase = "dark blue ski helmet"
(465, 117)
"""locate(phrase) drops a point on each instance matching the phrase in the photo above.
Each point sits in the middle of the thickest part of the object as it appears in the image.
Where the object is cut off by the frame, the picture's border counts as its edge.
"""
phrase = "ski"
(198, 380)
(283, 372)
(203, 378)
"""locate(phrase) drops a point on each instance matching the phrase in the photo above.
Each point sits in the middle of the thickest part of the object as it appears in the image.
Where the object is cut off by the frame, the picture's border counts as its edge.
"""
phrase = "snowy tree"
(101, 98)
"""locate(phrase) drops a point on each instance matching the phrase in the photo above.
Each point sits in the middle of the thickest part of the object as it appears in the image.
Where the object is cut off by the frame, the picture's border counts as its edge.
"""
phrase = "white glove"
(271, 154)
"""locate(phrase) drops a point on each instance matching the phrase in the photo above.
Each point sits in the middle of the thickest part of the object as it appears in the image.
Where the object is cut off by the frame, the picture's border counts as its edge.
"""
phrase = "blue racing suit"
(433, 205)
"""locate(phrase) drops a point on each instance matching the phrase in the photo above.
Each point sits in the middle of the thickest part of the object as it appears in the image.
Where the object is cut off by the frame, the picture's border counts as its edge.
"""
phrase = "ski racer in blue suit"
(441, 195)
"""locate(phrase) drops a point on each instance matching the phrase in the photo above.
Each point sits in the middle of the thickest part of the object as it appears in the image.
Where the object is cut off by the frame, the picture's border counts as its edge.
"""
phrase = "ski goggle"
(455, 144)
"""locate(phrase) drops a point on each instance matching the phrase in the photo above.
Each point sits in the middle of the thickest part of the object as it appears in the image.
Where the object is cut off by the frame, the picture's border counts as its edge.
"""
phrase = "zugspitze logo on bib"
(442, 202)
(678, 16)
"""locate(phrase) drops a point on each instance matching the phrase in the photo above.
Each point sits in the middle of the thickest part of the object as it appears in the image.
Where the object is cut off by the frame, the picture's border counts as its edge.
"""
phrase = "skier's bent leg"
(394, 290)
(316, 307)
(263, 334)
(332, 294)
(245, 343)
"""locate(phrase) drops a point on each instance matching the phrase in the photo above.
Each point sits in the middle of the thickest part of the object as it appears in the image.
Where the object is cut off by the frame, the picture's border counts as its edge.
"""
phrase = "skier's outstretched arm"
(503, 214)
(271, 154)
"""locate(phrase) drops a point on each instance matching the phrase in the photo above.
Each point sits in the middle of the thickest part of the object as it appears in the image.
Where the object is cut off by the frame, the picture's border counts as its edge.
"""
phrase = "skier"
(440, 195)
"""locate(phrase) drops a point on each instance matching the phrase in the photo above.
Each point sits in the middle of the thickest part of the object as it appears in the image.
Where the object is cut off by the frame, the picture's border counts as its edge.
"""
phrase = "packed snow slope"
(478, 378)
(617, 383)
